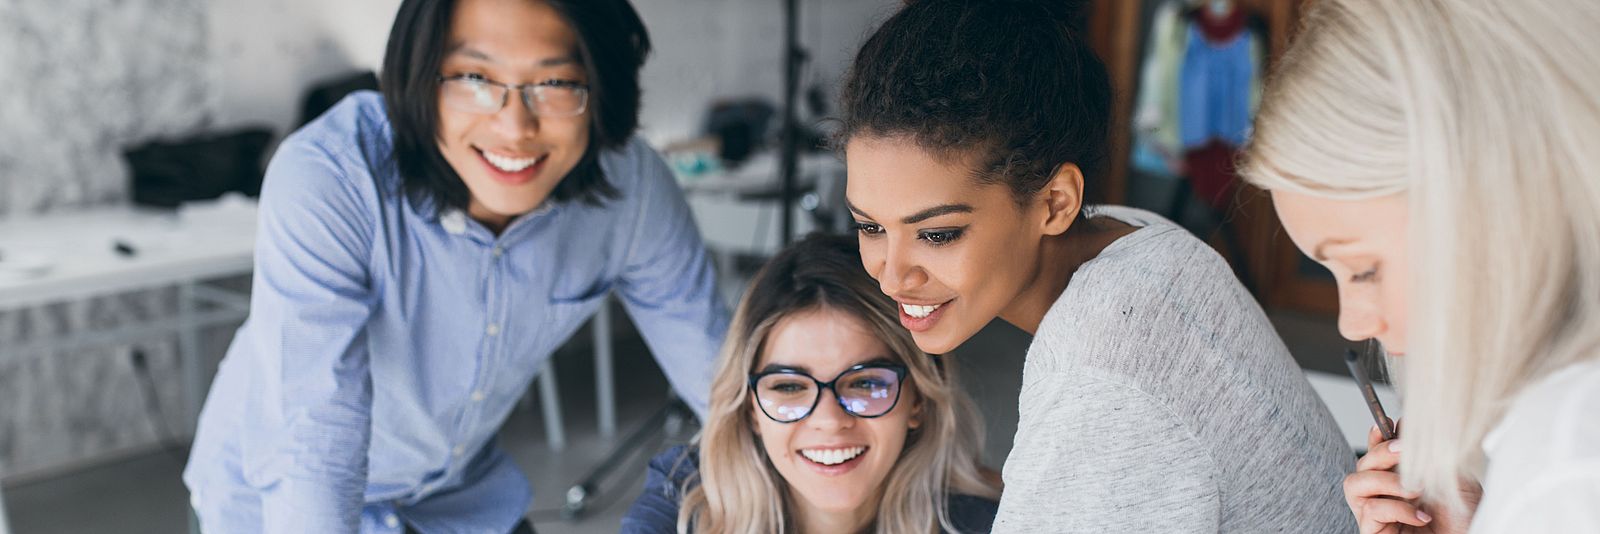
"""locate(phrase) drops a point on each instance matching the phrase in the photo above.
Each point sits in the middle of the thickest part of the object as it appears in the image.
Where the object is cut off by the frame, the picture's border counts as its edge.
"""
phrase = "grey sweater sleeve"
(1106, 458)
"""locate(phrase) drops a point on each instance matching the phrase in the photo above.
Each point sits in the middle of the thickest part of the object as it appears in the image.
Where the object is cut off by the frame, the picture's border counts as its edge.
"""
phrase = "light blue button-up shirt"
(388, 341)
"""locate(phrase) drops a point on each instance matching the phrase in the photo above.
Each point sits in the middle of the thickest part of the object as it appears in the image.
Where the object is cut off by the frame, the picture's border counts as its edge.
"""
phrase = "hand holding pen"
(1381, 504)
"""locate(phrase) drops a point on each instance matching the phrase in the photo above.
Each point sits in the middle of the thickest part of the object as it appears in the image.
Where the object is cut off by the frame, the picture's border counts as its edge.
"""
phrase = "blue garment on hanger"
(1214, 98)
(1155, 120)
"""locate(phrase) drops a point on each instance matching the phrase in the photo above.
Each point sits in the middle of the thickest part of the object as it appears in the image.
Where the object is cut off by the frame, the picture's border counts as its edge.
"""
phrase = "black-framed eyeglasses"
(867, 390)
(473, 94)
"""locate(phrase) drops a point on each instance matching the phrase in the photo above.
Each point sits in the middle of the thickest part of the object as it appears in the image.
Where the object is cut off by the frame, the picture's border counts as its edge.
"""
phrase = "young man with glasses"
(421, 254)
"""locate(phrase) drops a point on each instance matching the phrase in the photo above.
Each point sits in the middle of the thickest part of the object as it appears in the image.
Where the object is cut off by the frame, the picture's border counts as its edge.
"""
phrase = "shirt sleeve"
(1098, 456)
(669, 286)
(311, 300)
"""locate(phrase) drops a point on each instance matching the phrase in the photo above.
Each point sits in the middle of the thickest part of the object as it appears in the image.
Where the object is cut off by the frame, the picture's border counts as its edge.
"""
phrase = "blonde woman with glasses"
(1440, 158)
(824, 418)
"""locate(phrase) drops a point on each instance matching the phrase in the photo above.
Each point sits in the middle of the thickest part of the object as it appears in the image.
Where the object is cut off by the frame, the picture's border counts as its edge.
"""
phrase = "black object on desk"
(167, 173)
(124, 249)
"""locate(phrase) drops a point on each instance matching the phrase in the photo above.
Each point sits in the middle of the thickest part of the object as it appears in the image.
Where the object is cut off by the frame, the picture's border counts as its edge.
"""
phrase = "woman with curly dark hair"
(1156, 396)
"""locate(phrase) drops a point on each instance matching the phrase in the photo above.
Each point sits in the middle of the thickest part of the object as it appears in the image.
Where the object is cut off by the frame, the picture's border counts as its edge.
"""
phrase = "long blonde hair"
(739, 491)
(1486, 115)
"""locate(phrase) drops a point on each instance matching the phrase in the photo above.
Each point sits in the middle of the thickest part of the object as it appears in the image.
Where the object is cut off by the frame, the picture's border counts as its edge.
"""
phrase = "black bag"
(169, 173)
(322, 96)
(741, 126)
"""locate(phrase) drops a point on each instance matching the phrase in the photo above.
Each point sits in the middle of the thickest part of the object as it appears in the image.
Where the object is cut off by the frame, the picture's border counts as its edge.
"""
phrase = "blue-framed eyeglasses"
(867, 390)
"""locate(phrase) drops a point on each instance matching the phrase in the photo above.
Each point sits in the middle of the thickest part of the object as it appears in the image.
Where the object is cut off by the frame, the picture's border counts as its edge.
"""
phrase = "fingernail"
(1394, 446)
(1424, 516)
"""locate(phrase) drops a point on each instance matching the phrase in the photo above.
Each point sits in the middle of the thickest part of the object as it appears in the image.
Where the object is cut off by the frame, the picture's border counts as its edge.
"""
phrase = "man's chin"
(512, 210)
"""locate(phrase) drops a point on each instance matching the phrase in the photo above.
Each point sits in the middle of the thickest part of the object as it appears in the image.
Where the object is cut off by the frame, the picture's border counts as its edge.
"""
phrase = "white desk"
(81, 262)
(734, 220)
(72, 256)
(206, 242)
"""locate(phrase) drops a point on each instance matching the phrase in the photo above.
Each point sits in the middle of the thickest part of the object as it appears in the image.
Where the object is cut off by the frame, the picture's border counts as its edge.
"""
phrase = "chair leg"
(550, 400)
(604, 386)
(588, 488)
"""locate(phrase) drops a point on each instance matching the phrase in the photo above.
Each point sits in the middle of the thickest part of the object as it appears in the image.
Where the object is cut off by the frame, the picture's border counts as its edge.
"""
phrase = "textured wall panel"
(82, 79)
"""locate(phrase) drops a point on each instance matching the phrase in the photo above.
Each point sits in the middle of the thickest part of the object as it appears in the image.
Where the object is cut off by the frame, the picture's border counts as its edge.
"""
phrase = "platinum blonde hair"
(1485, 114)
(739, 491)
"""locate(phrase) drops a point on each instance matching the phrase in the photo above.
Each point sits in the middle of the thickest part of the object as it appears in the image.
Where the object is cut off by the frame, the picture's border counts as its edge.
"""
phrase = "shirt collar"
(454, 221)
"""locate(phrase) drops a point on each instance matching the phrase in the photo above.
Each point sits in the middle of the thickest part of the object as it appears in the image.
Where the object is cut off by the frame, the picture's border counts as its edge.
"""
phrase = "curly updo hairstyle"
(1011, 85)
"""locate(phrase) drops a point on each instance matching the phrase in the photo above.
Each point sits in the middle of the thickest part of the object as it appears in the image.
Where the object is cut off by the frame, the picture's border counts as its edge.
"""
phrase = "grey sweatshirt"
(1156, 397)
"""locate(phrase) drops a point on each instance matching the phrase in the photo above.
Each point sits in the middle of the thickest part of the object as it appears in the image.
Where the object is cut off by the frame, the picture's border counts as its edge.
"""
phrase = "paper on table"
(24, 265)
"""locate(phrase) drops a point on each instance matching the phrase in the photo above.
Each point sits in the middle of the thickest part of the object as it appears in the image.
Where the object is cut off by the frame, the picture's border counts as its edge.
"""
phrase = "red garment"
(1211, 168)
(1212, 171)
(1220, 30)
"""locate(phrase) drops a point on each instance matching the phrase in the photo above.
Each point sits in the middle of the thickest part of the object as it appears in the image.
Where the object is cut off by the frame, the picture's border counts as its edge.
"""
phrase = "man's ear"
(1062, 199)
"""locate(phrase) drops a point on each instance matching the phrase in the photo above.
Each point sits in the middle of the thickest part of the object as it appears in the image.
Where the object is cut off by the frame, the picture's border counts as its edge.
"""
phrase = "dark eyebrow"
(558, 61)
(920, 216)
(773, 368)
(935, 212)
(474, 53)
(878, 360)
(1316, 252)
(854, 209)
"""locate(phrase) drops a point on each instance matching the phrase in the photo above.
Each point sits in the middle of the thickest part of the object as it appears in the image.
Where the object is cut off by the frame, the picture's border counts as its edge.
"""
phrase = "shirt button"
(493, 329)
(392, 521)
(458, 451)
(498, 251)
(477, 396)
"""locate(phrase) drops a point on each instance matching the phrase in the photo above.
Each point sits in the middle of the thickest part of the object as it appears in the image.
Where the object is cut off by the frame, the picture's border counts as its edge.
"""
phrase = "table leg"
(189, 356)
(5, 520)
(603, 383)
(192, 364)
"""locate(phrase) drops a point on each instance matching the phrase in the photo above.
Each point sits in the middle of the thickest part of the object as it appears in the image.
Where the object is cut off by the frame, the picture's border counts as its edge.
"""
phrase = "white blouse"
(1544, 458)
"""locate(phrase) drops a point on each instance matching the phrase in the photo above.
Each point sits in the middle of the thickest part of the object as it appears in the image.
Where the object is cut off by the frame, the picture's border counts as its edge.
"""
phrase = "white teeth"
(919, 311)
(508, 164)
(832, 456)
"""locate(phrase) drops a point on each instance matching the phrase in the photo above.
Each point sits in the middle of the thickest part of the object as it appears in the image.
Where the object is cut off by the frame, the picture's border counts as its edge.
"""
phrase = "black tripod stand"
(667, 421)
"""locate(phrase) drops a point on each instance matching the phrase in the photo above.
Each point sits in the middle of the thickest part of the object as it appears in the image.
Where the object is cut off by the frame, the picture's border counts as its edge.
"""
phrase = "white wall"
(719, 48)
(268, 52)
(265, 54)
(83, 79)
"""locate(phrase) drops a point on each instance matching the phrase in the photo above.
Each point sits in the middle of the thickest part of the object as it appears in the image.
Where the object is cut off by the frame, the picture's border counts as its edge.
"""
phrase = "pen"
(1385, 425)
